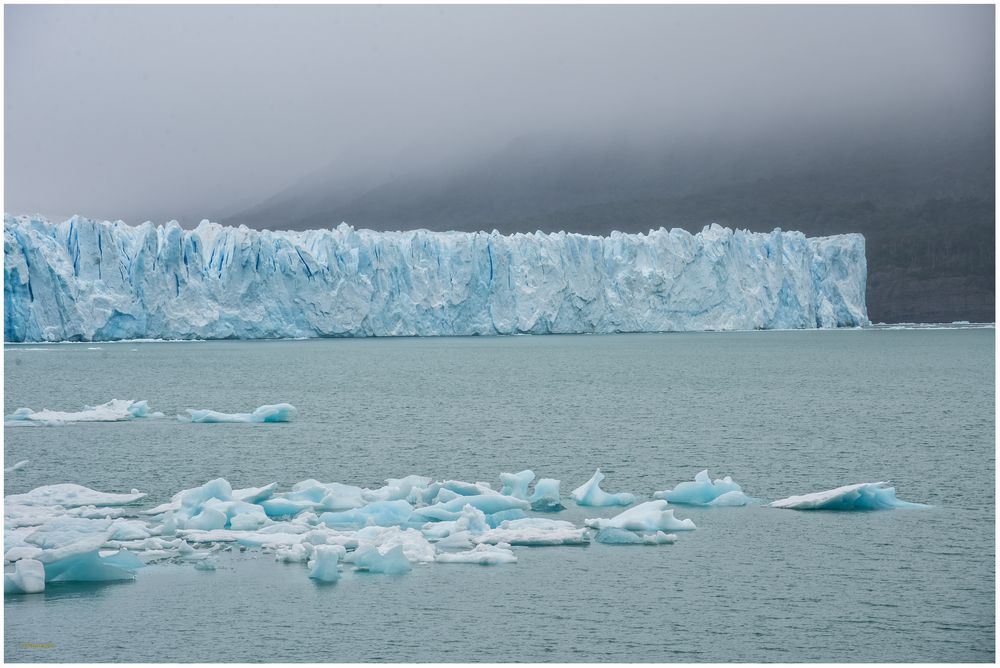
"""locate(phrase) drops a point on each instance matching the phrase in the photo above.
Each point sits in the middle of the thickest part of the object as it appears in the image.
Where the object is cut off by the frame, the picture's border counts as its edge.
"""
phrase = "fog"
(153, 112)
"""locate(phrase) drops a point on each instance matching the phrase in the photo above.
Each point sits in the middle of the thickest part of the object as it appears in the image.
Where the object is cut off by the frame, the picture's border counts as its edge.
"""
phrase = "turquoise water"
(782, 412)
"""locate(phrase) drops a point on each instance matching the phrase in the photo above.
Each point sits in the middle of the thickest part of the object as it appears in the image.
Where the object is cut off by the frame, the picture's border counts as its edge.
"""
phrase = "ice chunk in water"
(269, 413)
(397, 488)
(82, 562)
(706, 492)
(482, 554)
(648, 516)
(377, 513)
(325, 563)
(28, 578)
(862, 496)
(614, 536)
(69, 495)
(516, 484)
(116, 410)
(414, 545)
(591, 494)
(392, 562)
(545, 498)
(490, 504)
(17, 467)
(534, 531)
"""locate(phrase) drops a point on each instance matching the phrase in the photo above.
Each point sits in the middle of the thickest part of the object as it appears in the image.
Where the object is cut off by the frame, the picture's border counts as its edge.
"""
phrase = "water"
(783, 412)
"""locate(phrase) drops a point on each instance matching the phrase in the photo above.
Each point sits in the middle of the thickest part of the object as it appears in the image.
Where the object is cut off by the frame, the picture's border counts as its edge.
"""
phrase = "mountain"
(924, 202)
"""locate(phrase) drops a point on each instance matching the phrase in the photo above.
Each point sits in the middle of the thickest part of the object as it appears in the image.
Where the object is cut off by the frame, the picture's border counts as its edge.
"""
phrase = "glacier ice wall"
(86, 280)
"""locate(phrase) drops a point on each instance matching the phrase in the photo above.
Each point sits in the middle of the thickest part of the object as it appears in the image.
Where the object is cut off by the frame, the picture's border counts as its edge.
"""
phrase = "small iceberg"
(545, 498)
(82, 561)
(269, 413)
(482, 554)
(376, 513)
(649, 516)
(28, 578)
(516, 484)
(116, 410)
(612, 536)
(68, 495)
(706, 492)
(591, 494)
(535, 532)
(325, 564)
(392, 562)
(17, 467)
(862, 496)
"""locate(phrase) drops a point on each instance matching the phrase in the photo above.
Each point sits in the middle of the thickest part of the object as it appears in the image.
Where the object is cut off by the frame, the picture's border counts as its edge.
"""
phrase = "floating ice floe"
(482, 554)
(648, 516)
(613, 536)
(862, 496)
(269, 413)
(376, 513)
(490, 504)
(534, 531)
(74, 533)
(325, 563)
(69, 495)
(545, 498)
(116, 410)
(28, 577)
(17, 467)
(516, 484)
(591, 494)
(706, 492)
(391, 562)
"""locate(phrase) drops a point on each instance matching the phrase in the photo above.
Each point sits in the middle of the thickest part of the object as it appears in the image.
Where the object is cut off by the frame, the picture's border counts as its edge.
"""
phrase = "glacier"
(88, 280)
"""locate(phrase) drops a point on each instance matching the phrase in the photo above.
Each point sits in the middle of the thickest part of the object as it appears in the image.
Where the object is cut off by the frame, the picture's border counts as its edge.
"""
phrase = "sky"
(188, 112)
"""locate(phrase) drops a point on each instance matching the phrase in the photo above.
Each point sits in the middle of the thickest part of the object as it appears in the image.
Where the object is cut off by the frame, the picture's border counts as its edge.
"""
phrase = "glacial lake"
(782, 412)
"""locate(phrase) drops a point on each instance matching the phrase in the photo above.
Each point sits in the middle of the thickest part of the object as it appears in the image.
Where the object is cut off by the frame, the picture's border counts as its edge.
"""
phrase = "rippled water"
(782, 412)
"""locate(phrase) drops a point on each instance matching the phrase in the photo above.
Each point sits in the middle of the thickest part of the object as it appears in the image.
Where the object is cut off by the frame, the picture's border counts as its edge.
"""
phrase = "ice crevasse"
(87, 280)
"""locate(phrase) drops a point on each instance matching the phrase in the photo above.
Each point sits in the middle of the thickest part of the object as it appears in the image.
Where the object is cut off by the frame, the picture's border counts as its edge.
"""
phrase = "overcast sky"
(188, 112)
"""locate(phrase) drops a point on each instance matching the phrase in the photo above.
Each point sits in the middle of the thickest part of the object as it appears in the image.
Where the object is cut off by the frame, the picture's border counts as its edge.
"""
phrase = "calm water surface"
(782, 412)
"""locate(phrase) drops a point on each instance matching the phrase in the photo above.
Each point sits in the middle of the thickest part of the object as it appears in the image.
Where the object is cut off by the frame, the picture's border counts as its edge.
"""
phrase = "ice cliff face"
(85, 280)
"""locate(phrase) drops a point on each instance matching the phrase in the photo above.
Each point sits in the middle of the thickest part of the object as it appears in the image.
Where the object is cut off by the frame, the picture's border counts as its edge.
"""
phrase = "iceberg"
(18, 466)
(648, 516)
(82, 561)
(706, 492)
(533, 531)
(545, 498)
(391, 562)
(116, 410)
(862, 496)
(270, 413)
(325, 563)
(415, 547)
(205, 565)
(612, 536)
(69, 495)
(516, 484)
(489, 504)
(482, 554)
(591, 494)
(377, 513)
(28, 577)
(87, 280)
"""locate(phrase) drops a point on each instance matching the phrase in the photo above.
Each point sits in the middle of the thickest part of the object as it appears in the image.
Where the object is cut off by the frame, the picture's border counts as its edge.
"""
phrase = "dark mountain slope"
(926, 207)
